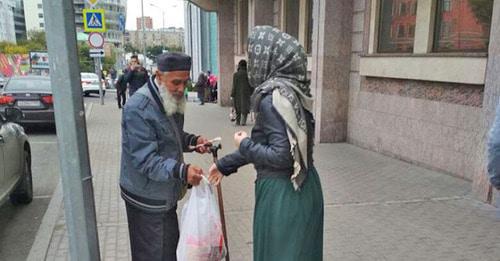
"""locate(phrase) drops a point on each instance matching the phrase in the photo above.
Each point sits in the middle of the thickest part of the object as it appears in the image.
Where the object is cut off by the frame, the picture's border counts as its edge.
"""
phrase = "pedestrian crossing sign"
(94, 21)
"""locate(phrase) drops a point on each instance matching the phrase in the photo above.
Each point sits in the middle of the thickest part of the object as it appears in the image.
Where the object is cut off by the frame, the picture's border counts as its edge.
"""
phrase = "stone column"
(261, 13)
(481, 186)
(227, 38)
(331, 62)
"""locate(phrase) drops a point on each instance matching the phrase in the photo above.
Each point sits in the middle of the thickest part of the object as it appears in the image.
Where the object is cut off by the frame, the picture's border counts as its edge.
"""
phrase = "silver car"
(15, 159)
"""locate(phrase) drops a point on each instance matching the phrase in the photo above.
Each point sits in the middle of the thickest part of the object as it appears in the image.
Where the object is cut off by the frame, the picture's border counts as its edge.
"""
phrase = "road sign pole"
(98, 70)
(79, 205)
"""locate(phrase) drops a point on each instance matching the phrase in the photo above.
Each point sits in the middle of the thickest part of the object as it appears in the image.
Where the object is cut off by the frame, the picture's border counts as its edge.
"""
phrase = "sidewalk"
(376, 208)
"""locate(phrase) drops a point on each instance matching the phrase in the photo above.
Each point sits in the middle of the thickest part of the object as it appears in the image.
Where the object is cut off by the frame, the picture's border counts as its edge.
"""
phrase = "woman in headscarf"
(288, 217)
(241, 93)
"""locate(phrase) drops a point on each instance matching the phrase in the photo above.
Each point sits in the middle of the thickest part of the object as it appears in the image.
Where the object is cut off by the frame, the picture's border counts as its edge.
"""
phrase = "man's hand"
(238, 137)
(194, 175)
(215, 176)
(200, 145)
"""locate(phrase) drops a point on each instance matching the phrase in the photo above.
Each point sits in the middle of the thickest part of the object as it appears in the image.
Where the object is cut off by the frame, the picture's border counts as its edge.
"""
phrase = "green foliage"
(130, 49)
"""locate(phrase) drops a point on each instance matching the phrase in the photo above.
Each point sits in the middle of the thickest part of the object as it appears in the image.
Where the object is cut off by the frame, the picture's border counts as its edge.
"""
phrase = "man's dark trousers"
(121, 95)
(153, 236)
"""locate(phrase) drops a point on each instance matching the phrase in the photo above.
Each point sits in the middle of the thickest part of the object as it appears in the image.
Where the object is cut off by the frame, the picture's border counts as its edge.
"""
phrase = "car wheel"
(24, 191)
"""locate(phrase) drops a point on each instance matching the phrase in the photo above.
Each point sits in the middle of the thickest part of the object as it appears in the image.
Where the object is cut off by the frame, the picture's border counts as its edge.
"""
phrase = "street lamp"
(162, 31)
(143, 35)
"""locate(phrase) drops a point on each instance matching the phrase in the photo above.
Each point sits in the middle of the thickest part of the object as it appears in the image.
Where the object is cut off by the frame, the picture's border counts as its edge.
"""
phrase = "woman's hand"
(214, 175)
(238, 137)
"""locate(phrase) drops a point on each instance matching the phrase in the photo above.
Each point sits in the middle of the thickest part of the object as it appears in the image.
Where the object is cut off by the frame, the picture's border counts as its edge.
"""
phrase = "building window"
(309, 22)
(462, 26)
(396, 16)
(39, 6)
(40, 15)
(41, 25)
(292, 13)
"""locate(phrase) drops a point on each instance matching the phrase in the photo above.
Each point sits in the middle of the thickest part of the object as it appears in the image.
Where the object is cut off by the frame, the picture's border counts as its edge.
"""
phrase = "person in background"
(212, 83)
(201, 86)
(121, 90)
(154, 175)
(188, 88)
(289, 208)
(241, 93)
(112, 73)
(136, 75)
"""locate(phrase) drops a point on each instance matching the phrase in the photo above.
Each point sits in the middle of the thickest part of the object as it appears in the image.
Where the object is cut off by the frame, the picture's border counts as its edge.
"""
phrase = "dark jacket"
(268, 148)
(121, 85)
(152, 164)
(201, 84)
(136, 79)
(242, 91)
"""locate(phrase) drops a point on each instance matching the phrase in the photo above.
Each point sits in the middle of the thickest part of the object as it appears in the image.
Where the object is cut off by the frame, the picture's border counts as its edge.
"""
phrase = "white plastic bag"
(201, 237)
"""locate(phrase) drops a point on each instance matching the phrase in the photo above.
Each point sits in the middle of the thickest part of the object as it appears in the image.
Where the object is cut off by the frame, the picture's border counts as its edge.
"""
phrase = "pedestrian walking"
(121, 90)
(494, 152)
(153, 174)
(212, 85)
(136, 75)
(241, 93)
(288, 216)
(113, 74)
(201, 86)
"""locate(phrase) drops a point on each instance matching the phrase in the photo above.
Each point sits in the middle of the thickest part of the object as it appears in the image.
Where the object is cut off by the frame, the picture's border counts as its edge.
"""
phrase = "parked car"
(31, 94)
(90, 83)
(16, 180)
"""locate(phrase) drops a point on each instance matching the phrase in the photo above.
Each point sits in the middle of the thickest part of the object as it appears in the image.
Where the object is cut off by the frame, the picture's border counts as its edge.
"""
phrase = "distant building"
(19, 20)
(173, 37)
(33, 13)
(7, 27)
(148, 23)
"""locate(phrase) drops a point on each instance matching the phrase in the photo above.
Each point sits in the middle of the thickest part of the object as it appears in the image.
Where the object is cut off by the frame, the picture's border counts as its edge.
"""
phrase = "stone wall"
(436, 125)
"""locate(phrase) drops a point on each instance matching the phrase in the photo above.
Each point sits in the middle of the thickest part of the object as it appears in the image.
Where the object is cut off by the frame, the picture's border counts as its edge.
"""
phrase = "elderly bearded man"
(153, 173)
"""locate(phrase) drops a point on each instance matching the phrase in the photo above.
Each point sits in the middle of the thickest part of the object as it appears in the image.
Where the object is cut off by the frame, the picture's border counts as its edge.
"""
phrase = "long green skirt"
(288, 224)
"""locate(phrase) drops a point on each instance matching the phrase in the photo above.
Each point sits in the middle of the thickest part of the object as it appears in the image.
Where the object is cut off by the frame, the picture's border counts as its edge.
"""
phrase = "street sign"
(96, 53)
(94, 20)
(96, 40)
(121, 22)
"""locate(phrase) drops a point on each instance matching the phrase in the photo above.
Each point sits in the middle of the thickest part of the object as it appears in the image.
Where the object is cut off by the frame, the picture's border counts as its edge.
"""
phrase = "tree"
(130, 49)
(86, 63)
(153, 51)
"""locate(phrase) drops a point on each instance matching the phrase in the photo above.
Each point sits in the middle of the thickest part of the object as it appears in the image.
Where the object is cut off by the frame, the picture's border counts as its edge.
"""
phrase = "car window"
(28, 84)
(89, 76)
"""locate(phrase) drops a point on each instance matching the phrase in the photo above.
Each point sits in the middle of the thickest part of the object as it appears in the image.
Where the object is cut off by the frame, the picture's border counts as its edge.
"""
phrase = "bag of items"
(201, 237)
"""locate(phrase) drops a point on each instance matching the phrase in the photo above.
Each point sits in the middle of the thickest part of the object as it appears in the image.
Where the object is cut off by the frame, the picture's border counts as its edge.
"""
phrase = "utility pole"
(79, 205)
(143, 35)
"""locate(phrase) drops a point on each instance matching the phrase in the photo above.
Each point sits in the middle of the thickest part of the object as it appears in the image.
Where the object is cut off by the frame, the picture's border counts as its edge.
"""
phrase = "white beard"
(170, 103)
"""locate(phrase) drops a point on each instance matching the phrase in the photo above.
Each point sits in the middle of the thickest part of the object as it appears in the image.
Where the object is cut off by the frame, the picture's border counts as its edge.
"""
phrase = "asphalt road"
(19, 224)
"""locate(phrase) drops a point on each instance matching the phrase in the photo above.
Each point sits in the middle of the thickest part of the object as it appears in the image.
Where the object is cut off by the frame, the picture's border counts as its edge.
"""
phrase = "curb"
(43, 236)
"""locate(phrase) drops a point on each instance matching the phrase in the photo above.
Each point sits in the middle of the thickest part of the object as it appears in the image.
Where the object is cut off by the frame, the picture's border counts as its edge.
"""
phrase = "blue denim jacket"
(153, 172)
(494, 152)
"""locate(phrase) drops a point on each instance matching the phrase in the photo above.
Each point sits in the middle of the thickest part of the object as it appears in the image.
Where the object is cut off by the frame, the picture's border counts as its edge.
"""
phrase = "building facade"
(7, 26)
(201, 39)
(148, 23)
(169, 37)
(33, 13)
(19, 21)
(413, 79)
